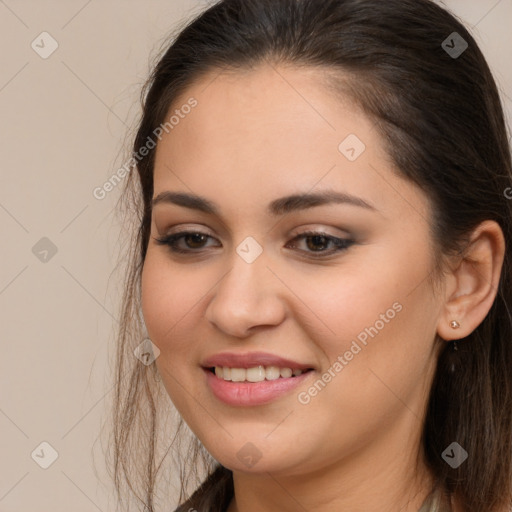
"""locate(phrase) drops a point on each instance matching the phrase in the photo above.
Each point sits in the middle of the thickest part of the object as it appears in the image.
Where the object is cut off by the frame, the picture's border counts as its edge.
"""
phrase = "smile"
(255, 374)
(246, 393)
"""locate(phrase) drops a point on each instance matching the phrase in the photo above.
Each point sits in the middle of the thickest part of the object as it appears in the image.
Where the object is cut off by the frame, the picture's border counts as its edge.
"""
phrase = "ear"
(472, 283)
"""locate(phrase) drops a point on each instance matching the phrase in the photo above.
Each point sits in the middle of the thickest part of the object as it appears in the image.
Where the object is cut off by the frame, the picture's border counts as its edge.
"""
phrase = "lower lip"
(252, 393)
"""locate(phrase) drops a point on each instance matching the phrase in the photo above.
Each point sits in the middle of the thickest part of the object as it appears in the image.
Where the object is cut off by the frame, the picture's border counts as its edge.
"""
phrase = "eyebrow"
(280, 206)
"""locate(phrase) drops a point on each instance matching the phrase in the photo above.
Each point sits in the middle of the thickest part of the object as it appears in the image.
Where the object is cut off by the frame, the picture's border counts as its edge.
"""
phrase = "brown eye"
(194, 241)
(317, 242)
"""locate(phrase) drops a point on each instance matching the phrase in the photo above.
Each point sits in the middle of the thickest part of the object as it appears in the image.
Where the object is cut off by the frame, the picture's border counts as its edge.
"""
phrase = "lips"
(252, 359)
(245, 393)
(249, 394)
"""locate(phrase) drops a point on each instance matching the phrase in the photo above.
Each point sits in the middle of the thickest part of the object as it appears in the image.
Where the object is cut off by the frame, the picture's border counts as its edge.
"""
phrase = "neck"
(372, 480)
(315, 493)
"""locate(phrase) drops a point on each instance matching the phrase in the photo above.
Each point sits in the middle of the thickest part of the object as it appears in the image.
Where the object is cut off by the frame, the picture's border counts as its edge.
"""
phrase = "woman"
(322, 263)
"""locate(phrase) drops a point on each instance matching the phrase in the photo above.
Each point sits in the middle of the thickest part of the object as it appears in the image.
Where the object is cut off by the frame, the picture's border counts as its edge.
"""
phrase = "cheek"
(351, 302)
(168, 297)
(377, 320)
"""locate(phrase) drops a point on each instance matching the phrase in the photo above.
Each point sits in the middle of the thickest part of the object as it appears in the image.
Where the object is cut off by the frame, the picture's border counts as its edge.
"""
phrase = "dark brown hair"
(442, 121)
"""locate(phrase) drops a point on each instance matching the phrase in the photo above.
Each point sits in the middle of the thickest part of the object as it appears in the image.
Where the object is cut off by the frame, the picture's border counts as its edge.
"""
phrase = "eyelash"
(341, 244)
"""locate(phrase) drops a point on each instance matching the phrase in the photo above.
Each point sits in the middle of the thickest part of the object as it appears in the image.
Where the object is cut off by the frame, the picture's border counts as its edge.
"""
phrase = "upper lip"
(252, 359)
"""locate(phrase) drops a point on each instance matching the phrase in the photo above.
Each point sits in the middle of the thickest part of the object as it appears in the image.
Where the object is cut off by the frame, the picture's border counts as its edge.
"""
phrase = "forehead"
(274, 129)
(252, 106)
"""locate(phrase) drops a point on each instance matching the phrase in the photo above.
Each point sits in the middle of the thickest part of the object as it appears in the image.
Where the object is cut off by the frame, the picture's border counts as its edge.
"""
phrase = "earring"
(454, 325)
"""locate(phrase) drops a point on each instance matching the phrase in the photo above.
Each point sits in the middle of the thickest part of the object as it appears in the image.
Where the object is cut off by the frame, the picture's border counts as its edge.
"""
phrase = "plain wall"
(64, 120)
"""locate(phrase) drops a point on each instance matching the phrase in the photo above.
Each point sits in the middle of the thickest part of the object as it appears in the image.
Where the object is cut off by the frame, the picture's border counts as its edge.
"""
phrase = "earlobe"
(474, 283)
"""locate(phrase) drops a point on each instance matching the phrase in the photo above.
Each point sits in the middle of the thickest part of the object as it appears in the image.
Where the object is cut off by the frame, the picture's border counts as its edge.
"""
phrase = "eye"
(316, 242)
(193, 239)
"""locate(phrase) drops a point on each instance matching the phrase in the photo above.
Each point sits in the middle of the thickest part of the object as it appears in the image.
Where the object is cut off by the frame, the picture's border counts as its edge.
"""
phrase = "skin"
(253, 137)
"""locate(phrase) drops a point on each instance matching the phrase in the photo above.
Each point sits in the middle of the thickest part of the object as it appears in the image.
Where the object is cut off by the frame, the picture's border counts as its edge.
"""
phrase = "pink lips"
(252, 393)
(250, 360)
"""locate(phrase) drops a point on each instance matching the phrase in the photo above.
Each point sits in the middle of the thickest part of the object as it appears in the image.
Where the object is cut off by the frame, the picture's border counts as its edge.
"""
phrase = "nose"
(248, 296)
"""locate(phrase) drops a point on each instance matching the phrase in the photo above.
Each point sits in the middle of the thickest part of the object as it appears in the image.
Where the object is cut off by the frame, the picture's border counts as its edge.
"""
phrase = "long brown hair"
(441, 118)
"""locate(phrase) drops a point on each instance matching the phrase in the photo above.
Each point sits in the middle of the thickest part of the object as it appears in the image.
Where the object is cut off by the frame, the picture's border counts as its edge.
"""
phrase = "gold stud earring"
(454, 324)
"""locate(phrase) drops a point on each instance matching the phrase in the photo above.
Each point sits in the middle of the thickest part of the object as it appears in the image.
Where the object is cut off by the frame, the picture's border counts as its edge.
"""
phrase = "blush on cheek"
(167, 307)
(157, 306)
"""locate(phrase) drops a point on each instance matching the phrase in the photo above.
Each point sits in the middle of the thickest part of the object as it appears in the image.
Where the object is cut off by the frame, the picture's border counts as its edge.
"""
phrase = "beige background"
(64, 121)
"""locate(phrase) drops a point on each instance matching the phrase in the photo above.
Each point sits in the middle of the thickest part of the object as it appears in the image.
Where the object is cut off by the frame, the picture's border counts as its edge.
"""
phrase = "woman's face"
(351, 306)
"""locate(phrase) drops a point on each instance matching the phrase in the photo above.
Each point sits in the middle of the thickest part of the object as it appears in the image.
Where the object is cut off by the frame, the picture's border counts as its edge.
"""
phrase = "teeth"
(255, 374)
(238, 374)
(272, 373)
(286, 373)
